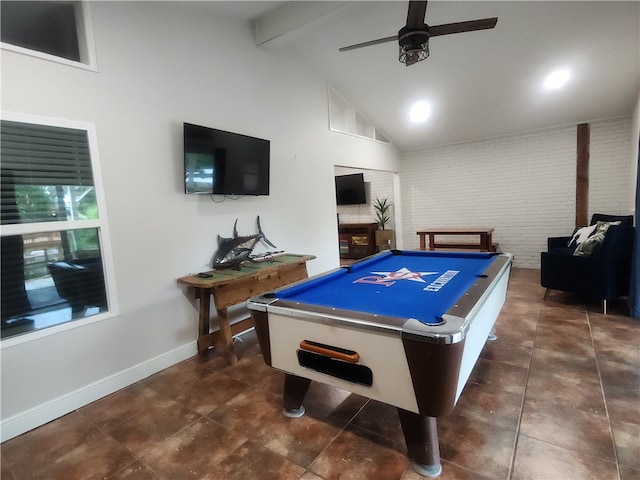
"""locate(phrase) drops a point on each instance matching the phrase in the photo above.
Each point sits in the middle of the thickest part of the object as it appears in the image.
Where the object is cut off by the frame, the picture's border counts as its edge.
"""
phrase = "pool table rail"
(452, 329)
(329, 316)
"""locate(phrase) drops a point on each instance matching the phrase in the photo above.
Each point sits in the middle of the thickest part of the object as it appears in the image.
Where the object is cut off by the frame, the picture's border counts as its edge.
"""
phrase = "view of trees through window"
(57, 203)
(47, 203)
(51, 265)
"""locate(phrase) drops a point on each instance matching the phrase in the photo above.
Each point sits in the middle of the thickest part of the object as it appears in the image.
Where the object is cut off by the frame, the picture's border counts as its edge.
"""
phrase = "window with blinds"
(52, 267)
(41, 165)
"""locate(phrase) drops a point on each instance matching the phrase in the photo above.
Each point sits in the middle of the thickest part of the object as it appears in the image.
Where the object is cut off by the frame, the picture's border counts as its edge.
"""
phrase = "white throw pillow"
(581, 234)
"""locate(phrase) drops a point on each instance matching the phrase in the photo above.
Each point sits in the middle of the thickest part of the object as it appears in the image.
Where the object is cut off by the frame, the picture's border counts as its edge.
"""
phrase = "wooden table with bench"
(484, 242)
(230, 287)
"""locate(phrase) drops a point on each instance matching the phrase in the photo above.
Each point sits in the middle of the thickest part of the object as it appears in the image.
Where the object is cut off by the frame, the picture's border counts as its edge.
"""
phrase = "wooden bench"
(484, 241)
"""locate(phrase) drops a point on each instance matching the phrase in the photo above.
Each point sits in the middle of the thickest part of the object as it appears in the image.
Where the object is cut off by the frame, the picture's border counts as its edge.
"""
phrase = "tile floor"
(556, 397)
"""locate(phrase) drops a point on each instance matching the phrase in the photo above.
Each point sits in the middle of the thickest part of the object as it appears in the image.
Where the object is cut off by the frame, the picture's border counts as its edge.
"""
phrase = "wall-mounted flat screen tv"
(225, 163)
(350, 189)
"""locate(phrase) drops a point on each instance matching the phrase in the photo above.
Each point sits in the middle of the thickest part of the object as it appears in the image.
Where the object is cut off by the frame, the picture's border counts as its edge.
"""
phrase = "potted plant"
(382, 206)
(384, 237)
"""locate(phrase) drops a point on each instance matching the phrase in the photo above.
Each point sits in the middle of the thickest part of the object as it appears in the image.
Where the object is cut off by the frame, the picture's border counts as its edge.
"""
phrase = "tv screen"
(350, 189)
(226, 163)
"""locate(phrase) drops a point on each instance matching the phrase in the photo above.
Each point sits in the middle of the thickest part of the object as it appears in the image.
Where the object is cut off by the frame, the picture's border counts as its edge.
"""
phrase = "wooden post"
(582, 175)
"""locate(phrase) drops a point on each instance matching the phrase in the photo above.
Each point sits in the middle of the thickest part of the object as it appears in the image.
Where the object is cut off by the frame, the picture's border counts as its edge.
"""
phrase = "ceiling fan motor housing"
(414, 44)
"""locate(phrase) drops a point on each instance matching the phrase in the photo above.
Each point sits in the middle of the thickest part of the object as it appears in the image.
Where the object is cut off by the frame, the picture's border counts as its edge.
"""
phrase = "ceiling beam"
(293, 19)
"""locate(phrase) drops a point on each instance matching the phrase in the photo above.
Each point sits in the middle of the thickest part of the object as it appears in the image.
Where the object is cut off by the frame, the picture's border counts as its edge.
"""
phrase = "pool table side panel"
(440, 372)
(480, 327)
(383, 353)
(434, 373)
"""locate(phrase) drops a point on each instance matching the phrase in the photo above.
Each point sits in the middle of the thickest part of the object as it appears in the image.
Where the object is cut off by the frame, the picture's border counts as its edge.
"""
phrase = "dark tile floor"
(556, 397)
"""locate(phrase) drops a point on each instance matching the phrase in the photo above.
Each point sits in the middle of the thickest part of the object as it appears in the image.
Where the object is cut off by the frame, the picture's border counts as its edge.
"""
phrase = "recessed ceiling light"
(557, 79)
(420, 112)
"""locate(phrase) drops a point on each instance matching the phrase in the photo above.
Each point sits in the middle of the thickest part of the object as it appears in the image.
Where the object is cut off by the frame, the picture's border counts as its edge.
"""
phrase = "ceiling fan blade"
(369, 43)
(459, 27)
(416, 13)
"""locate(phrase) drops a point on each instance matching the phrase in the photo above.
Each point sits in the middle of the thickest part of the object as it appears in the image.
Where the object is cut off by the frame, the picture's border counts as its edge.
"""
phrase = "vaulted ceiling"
(479, 84)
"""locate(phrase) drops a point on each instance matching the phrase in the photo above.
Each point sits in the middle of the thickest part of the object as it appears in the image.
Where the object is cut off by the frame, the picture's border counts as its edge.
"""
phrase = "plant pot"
(385, 239)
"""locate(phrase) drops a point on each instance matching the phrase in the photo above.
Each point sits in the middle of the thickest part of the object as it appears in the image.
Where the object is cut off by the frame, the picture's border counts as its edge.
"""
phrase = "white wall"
(161, 64)
(522, 185)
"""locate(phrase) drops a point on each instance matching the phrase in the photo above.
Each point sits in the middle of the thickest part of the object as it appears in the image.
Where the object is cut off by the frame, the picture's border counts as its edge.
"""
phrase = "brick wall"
(610, 186)
(522, 185)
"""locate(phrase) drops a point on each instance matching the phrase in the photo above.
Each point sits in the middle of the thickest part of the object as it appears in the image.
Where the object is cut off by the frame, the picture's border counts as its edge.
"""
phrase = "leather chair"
(80, 283)
(605, 274)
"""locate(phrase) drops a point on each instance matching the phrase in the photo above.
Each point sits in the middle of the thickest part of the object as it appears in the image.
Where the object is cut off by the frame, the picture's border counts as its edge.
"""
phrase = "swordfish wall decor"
(232, 251)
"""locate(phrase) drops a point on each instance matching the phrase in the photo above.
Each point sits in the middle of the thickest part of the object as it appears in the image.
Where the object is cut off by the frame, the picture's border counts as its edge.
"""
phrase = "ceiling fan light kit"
(413, 44)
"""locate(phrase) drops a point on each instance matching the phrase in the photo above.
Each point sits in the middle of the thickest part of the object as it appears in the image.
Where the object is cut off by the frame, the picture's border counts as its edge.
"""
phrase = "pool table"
(401, 327)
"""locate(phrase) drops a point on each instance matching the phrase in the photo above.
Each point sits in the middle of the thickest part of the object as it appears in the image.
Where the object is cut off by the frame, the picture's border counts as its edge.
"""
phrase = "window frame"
(101, 224)
(355, 123)
(86, 43)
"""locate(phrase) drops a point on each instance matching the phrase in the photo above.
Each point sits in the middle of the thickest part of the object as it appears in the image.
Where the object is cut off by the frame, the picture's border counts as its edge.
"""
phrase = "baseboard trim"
(39, 415)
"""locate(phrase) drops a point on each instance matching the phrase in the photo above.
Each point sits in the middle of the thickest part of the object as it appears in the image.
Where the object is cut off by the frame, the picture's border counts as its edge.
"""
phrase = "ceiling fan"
(413, 38)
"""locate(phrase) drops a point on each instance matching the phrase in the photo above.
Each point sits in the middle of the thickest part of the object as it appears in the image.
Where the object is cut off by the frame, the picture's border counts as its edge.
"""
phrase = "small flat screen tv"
(350, 189)
(225, 163)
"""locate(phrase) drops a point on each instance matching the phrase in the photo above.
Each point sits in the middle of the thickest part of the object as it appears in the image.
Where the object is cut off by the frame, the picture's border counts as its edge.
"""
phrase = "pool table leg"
(295, 389)
(421, 436)
(492, 335)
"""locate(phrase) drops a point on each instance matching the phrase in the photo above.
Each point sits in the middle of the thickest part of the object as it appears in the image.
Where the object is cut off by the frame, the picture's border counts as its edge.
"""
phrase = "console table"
(231, 287)
(484, 241)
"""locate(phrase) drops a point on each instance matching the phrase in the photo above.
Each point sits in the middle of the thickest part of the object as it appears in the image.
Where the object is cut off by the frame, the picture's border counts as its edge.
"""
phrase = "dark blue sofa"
(603, 275)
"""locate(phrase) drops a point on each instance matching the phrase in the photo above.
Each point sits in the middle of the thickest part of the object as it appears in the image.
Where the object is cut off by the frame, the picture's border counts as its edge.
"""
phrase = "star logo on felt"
(404, 274)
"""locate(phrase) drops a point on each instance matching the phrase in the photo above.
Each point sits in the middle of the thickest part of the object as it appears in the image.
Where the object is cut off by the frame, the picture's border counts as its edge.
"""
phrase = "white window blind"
(50, 158)
(43, 154)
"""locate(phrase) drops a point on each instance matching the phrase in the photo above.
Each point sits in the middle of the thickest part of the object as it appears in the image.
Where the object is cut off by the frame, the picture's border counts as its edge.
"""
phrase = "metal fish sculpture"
(233, 251)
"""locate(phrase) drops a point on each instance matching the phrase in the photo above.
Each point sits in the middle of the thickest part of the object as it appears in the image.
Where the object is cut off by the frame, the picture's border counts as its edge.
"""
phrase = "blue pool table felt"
(396, 285)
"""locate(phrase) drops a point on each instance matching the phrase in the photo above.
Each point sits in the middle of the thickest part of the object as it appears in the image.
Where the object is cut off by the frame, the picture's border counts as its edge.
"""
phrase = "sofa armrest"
(617, 243)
